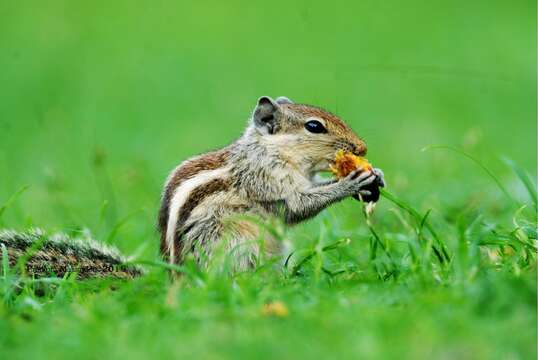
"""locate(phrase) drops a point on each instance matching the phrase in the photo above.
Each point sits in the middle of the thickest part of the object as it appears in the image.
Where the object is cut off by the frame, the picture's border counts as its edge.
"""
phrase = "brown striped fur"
(210, 161)
(195, 198)
(198, 195)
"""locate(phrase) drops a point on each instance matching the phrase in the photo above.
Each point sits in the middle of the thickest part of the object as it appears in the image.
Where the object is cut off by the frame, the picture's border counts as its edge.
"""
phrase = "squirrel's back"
(185, 188)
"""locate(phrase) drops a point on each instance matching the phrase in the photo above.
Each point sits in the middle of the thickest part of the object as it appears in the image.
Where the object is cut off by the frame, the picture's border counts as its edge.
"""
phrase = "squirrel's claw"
(380, 177)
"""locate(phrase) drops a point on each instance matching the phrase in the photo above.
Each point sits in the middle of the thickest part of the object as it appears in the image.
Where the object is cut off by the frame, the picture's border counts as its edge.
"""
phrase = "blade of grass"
(29, 252)
(525, 179)
(479, 163)
(373, 247)
(424, 219)
(419, 219)
(5, 261)
(336, 244)
(159, 264)
(120, 224)
(311, 253)
(12, 199)
(376, 236)
(181, 269)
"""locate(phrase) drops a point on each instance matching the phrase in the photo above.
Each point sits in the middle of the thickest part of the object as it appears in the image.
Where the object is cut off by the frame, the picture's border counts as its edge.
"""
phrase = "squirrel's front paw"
(369, 192)
(359, 180)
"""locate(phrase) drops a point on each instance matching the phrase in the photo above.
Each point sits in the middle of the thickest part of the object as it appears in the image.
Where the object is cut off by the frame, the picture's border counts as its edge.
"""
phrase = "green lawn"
(99, 101)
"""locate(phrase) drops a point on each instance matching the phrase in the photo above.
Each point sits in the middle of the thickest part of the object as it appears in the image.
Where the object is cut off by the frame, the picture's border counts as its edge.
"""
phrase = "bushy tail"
(45, 255)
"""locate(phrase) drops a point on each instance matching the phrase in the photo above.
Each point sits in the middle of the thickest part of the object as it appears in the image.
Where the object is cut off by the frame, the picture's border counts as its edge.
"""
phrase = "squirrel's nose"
(360, 149)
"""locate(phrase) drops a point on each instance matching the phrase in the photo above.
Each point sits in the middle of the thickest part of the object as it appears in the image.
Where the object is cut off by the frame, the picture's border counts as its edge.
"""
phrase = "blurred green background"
(100, 100)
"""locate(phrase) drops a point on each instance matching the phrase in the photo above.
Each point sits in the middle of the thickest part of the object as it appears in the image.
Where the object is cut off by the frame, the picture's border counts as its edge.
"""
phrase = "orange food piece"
(346, 162)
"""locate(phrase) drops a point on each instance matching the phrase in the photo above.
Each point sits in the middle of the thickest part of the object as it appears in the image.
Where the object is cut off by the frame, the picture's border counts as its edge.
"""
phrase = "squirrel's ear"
(264, 116)
(283, 100)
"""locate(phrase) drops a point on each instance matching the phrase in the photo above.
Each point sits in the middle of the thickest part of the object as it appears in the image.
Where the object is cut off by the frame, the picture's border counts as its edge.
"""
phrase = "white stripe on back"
(181, 194)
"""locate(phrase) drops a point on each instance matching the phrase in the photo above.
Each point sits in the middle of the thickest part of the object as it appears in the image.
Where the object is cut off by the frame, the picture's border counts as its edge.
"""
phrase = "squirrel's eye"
(315, 127)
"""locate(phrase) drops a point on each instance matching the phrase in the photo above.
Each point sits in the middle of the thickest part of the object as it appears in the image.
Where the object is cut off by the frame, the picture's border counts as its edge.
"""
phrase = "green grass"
(100, 100)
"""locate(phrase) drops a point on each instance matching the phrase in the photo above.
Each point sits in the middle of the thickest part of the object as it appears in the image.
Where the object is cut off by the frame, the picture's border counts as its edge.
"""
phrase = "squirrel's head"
(306, 136)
